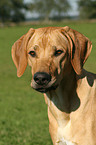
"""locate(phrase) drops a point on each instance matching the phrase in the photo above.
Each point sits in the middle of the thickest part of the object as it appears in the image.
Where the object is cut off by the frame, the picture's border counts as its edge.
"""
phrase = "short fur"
(71, 105)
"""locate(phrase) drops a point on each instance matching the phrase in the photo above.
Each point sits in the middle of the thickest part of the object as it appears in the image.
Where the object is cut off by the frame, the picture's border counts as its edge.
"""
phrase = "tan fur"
(72, 106)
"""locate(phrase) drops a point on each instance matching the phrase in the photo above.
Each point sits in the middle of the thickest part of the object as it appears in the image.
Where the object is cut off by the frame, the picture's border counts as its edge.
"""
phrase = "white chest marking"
(64, 142)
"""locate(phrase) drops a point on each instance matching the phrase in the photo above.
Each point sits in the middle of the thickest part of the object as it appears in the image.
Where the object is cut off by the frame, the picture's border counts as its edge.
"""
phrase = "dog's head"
(52, 52)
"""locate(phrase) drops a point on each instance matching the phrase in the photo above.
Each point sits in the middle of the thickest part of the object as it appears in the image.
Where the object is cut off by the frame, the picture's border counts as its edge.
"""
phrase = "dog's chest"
(63, 120)
(63, 135)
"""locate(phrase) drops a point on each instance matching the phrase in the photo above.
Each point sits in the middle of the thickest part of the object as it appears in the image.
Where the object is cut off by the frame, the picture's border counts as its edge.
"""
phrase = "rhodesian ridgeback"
(56, 56)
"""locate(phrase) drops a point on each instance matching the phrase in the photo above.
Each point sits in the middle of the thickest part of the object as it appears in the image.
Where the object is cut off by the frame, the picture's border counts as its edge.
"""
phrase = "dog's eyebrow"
(35, 47)
(54, 47)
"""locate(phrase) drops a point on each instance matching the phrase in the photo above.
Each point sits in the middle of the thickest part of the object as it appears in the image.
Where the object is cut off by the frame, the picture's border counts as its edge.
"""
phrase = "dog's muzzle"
(42, 81)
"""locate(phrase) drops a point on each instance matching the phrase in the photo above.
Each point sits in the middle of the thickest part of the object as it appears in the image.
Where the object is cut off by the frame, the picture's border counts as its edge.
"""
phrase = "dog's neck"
(65, 97)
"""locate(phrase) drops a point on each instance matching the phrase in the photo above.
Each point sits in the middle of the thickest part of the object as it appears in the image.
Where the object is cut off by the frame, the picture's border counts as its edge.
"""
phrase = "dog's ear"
(80, 48)
(19, 52)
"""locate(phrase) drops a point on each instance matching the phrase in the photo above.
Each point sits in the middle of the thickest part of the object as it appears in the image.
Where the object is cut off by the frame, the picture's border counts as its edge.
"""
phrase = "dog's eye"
(58, 52)
(32, 53)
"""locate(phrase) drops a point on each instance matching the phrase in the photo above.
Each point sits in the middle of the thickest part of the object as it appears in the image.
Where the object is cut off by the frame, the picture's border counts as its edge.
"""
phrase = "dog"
(57, 56)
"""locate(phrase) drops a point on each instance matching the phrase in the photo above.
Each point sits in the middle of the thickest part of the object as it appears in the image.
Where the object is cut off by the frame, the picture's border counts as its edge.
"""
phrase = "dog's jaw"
(43, 89)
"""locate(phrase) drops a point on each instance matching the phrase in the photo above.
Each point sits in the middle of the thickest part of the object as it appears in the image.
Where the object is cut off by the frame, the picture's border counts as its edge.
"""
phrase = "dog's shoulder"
(89, 77)
(86, 85)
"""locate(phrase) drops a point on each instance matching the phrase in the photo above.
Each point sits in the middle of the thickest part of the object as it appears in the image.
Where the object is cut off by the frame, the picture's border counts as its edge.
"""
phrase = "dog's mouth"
(52, 85)
(43, 82)
(44, 90)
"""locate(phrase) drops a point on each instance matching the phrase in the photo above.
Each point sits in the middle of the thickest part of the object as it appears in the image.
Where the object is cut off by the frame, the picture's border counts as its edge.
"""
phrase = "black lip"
(44, 90)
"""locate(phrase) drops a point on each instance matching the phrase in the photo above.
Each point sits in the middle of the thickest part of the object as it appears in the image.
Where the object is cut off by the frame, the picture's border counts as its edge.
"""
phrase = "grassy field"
(23, 112)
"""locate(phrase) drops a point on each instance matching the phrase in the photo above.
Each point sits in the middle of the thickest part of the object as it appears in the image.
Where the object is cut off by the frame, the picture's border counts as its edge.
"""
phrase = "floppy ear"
(80, 48)
(19, 52)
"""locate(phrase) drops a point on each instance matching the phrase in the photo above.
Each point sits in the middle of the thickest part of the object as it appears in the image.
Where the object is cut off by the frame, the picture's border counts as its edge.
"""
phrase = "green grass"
(23, 112)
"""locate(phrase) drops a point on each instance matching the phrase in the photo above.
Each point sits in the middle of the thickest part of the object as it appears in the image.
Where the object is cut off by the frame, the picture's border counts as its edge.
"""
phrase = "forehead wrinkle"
(45, 35)
(36, 36)
(41, 38)
(48, 38)
(45, 41)
(58, 39)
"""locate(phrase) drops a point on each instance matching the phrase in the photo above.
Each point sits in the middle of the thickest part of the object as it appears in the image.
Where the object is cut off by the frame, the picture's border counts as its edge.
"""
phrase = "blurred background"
(23, 112)
(35, 10)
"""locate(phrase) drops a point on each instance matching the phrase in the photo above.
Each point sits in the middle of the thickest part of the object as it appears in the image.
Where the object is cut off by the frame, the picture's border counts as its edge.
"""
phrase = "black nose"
(42, 78)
